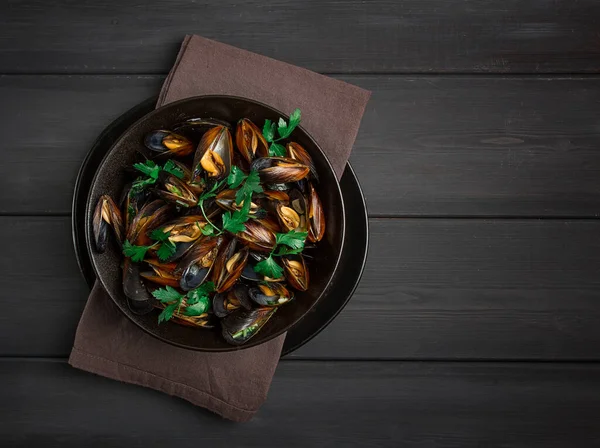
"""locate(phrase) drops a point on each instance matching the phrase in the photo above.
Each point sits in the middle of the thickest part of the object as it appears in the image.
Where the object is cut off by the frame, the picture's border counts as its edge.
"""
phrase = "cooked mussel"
(250, 141)
(257, 237)
(239, 326)
(106, 214)
(132, 200)
(271, 294)
(176, 191)
(226, 200)
(297, 152)
(316, 216)
(168, 143)
(195, 267)
(228, 266)
(203, 320)
(194, 128)
(161, 273)
(278, 170)
(138, 298)
(150, 216)
(213, 155)
(224, 303)
(293, 216)
(183, 232)
(296, 272)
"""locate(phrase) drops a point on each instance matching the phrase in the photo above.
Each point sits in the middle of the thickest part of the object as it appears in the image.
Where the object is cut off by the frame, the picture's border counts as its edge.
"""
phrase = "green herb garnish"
(284, 129)
(287, 243)
(197, 301)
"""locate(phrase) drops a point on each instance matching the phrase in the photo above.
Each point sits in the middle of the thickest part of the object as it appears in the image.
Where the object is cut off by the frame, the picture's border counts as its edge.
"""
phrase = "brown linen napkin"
(234, 384)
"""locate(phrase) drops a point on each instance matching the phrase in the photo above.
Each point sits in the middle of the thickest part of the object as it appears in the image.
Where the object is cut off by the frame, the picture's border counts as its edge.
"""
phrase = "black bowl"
(111, 178)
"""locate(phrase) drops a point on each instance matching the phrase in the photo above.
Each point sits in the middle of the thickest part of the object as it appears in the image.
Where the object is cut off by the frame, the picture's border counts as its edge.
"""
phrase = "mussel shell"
(316, 216)
(132, 201)
(150, 216)
(176, 191)
(195, 267)
(297, 152)
(219, 305)
(106, 214)
(241, 325)
(160, 279)
(140, 301)
(194, 128)
(272, 294)
(299, 204)
(218, 141)
(241, 293)
(250, 141)
(296, 271)
(229, 265)
(168, 142)
(257, 237)
(277, 170)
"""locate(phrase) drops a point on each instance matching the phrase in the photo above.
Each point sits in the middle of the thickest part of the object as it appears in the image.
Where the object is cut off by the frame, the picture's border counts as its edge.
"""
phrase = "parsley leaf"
(269, 268)
(212, 192)
(234, 223)
(208, 229)
(159, 235)
(197, 308)
(149, 168)
(284, 129)
(173, 169)
(292, 239)
(269, 131)
(236, 177)
(196, 294)
(166, 250)
(140, 183)
(136, 253)
(167, 294)
(252, 185)
(277, 150)
(287, 251)
(167, 313)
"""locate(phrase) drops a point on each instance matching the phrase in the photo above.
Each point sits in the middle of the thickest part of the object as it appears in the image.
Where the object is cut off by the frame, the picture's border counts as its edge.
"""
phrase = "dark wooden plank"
(432, 289)
(351, 35)
(454, 146)
(348, 404)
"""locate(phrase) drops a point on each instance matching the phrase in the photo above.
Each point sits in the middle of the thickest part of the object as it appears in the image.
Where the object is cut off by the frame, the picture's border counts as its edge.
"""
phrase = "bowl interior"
(111, 178)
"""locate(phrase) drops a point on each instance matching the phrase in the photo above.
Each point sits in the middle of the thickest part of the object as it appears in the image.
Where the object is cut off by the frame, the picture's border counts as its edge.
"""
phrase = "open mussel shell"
(227, 302)
(183, 232)
(203, 320)
(139, 300)
(239, 326)
(240, 291)
(176, 191)
(229, 265)
(213, 155)
(277, 170)
(297, 152)
(226, 200)
(316, 216)
(296, 272)
(161, 273)
(271, 294)
(195, 267)
(150, 216)
(168, 143)
(257, 237)
(294, 215)
(250, 141)
(194, 128)
(132, 200)
(106, 214)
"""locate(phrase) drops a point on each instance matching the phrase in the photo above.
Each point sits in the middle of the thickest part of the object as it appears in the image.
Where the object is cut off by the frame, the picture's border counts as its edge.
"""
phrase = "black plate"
(352, 259)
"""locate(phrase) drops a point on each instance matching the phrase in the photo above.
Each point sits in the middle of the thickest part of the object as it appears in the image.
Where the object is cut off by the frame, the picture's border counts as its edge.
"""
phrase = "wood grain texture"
(350, 404)
(432, 289)
(351, 36)
(428, 146)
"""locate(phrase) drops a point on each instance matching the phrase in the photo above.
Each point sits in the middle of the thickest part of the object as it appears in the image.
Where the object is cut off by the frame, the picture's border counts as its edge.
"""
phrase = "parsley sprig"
(197, 301)
(151, 170)
(284, 129)
(138, 253)
(287, 243)
(233, 222)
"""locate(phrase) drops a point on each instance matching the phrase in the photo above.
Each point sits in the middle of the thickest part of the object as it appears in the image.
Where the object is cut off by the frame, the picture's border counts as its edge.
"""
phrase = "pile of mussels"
(209, 274)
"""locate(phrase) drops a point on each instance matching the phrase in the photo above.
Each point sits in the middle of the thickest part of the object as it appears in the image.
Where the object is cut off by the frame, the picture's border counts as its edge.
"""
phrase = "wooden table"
(477, 322)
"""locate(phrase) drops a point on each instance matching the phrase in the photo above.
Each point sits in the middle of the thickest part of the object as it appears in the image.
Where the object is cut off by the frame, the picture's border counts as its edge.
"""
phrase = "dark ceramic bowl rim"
(251, 343)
